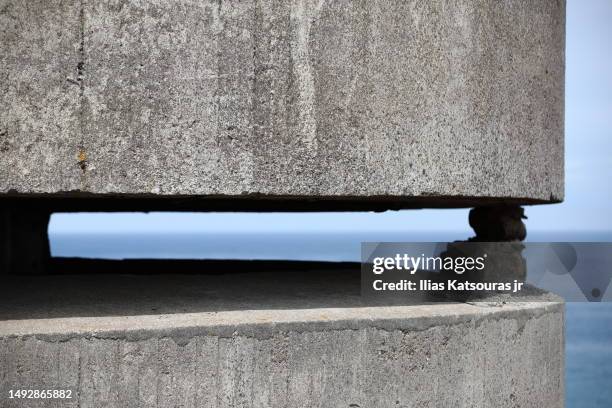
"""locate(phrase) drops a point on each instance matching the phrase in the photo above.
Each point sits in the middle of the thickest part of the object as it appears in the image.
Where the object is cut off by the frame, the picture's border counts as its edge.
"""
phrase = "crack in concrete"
(82, 155)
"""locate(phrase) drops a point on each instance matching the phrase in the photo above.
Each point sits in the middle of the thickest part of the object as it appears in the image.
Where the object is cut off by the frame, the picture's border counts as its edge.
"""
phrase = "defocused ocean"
(588, 325)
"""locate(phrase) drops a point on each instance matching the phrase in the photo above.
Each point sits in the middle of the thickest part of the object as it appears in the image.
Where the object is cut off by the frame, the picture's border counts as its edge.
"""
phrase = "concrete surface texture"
(291, 98)
(296, 340)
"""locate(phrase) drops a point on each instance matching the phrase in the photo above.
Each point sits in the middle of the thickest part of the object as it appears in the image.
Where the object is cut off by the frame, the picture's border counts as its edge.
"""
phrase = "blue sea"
(588, 325)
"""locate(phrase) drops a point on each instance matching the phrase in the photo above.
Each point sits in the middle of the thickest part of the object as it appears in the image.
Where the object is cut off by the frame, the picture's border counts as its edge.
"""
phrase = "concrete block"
(199, 346)
(435, 100)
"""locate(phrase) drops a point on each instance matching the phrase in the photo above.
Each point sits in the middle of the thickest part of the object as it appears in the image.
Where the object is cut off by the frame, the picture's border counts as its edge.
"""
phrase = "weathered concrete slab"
(39, 95)
(291, 339)
(438, 100)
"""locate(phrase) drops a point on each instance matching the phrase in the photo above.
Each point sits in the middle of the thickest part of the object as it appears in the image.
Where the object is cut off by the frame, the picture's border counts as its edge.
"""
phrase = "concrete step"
(270, 339)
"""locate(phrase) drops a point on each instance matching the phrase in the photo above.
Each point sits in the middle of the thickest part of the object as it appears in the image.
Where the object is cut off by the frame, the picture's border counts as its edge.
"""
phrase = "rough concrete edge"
(263, 324)
(271, 196)
(83, 201)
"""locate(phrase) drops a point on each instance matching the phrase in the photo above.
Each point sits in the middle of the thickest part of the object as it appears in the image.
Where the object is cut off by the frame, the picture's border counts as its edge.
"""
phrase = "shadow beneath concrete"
(89, 266)
(93, 288)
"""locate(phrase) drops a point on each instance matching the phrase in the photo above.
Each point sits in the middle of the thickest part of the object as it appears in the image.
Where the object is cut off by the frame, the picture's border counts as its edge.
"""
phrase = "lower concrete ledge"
(286, 340)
